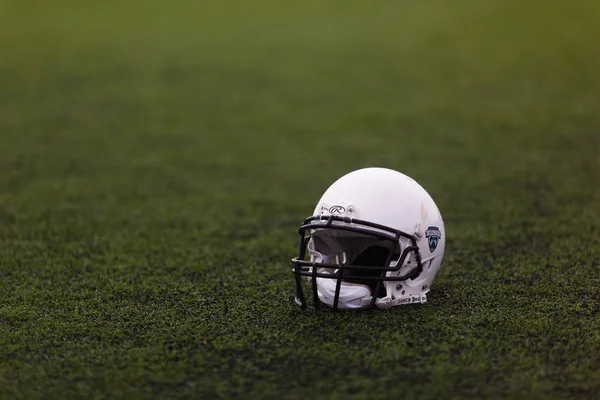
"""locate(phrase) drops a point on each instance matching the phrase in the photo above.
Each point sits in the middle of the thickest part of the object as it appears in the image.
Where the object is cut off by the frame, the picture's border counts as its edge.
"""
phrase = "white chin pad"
(351, 294)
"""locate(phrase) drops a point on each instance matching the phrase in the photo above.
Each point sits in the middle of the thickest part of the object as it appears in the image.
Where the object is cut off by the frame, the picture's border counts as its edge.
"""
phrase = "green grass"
(157, 157)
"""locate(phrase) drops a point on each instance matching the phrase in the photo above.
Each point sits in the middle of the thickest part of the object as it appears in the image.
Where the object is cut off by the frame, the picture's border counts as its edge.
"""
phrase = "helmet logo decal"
(337, 210)
(433, 235)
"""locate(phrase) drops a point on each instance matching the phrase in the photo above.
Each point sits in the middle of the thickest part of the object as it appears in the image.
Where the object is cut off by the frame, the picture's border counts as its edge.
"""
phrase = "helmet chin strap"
(352, 295)
(387, 302)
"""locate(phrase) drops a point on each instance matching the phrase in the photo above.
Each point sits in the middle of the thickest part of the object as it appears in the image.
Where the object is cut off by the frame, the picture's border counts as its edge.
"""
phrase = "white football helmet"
(376, 239)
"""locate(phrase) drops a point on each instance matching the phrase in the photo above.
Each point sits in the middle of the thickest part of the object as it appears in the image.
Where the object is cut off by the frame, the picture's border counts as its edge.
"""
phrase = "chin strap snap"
(384, 303)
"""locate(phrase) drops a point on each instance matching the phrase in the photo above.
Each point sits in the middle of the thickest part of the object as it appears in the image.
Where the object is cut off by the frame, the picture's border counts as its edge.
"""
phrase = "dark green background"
(156, 158)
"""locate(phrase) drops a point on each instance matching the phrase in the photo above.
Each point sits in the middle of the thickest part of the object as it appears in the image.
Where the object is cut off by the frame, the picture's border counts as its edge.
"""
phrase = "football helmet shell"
(376, 239)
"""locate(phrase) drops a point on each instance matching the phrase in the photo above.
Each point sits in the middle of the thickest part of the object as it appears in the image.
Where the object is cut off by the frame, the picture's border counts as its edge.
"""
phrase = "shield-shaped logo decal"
(433, 235)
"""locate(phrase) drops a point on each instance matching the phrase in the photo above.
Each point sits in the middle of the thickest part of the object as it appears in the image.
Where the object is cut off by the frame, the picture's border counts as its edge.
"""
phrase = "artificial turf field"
(157, 157)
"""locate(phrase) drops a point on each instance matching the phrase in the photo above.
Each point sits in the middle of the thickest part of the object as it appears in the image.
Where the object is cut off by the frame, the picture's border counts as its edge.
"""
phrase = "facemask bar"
(309, 269)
